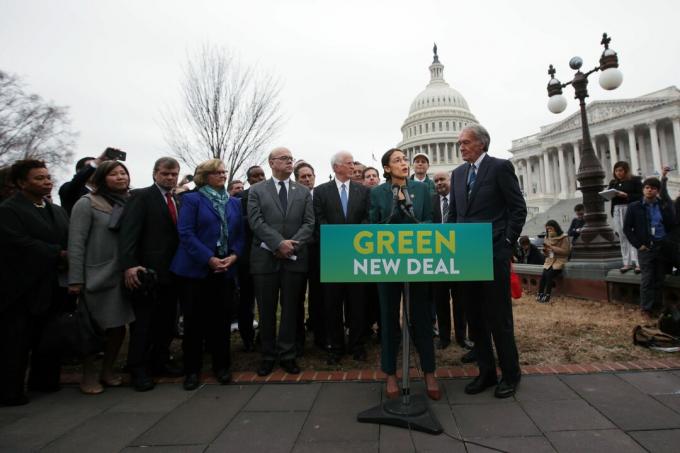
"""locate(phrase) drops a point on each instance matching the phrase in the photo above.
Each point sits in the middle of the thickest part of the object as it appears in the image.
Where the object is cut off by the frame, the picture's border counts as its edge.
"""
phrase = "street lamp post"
(597, 241)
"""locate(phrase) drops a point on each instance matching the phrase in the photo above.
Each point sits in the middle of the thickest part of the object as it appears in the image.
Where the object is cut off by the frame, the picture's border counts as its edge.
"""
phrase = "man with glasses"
(281, 216)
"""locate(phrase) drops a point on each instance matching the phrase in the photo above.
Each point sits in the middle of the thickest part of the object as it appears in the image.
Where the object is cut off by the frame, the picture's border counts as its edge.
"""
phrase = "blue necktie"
(283, 196)
(343, 199)
(472, 176)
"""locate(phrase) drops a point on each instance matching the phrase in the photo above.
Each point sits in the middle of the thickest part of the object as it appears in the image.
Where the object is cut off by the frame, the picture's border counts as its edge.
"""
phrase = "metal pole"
(405, 348)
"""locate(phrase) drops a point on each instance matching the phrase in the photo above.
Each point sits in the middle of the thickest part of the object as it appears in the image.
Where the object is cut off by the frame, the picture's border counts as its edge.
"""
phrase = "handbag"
(90, 337)
(515, 284)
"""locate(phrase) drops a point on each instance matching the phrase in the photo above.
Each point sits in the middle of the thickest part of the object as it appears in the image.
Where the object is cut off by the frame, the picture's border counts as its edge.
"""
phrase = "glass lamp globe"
(611, 78)
(557, 103)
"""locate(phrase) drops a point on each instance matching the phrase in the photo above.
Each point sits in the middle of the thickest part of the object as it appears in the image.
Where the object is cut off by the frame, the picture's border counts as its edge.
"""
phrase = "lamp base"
(415, 415)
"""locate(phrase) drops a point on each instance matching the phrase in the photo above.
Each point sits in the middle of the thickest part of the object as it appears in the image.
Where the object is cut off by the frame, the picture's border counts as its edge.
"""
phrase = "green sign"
(423, 252)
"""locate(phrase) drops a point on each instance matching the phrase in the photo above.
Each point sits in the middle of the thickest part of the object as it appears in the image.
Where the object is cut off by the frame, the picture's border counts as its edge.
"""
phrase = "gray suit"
(278, 279)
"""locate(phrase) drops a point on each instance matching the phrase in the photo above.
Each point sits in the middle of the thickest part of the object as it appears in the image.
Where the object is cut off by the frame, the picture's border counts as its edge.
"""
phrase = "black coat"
(29, 252)
(328, 209)
(148, 236)
(71, 191)
(632, 186)
(636, 223)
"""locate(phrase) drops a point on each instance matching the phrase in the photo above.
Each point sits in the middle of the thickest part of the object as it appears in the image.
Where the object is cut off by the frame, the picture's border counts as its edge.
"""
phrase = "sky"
(349, 70)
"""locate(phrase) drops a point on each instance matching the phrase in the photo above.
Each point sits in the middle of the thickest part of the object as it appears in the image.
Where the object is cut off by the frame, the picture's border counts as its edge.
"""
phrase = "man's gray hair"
(337, 157)
(481, 133)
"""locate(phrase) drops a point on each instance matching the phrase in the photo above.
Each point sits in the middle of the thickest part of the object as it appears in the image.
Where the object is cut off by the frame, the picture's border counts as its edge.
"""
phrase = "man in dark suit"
(341, 201)
(33, 238)
(304, 174)
(246, 294)
(148, 241)
(443, 292)
(486, 189)
(72, 190)
(281, 215)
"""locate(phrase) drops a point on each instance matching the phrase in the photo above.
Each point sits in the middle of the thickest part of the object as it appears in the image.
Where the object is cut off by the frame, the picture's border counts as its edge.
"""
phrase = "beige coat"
(561, 248)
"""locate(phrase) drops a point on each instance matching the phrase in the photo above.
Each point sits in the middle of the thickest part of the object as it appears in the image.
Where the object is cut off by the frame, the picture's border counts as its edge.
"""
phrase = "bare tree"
(31, 127)
(228, 112)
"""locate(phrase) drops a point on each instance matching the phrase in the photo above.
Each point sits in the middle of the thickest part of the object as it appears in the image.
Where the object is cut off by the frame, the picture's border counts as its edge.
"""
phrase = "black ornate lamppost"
(597, 241)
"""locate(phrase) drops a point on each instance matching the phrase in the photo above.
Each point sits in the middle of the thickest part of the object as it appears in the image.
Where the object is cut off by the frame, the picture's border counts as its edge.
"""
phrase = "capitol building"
(434, 120)
(644, 131)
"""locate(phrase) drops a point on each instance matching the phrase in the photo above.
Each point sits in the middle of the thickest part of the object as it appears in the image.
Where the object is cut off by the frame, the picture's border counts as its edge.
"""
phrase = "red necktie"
(171, 207)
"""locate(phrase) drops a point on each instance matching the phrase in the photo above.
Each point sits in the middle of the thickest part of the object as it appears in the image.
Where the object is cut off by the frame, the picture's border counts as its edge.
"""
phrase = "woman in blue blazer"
(211, 238)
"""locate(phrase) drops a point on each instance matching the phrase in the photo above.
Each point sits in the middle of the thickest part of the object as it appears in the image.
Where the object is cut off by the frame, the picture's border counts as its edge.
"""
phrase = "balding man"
(486, 190)
(281, 216)
(342, 201)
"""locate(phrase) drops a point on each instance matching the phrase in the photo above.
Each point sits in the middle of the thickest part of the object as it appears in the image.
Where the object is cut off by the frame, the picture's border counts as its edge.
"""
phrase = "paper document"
(264, 246)
(608, 194)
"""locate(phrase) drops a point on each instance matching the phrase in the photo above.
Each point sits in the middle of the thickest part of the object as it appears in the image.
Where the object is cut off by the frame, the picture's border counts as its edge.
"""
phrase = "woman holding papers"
(629, 189)
(211, 238)
(401, 200)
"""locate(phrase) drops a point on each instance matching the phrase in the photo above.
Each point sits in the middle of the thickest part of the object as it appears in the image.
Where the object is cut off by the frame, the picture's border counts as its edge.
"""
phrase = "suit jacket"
(437, 209)
(71, 191)
(328, 208)
(496, 198)
(271, 225)
(636, 222)
(245, 259)
(382, 200)
(199, 229)
(148, 236)
(29, 252)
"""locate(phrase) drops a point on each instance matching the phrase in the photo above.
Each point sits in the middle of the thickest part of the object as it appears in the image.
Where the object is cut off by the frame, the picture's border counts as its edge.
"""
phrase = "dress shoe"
(14, 401)
(432, 387)
(637, 270)
(223, 376)
(167, 370)
(359, 355)
(469, 357)
(506, 388)
(465, 344)
(480, 383)
(290, 367)
(443, 344)
(191, 382)
(539, 296)
(625, 269)
(266, 367)
(141, 382)
(333, 359)
(392, 388)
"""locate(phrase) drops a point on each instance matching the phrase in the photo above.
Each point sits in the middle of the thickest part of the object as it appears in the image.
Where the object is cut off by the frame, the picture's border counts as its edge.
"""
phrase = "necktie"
(171, 207)
(283, 196)
(472, 176)
(445, 209)
(343, 199)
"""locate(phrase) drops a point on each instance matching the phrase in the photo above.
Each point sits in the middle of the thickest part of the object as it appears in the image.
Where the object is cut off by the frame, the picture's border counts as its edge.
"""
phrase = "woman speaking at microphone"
(401, 200)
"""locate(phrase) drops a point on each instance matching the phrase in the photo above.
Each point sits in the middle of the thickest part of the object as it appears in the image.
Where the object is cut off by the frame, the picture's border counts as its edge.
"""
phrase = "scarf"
(219, 199)
(117, 202)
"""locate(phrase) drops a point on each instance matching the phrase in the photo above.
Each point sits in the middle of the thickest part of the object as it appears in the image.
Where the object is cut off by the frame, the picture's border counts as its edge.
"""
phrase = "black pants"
(372, 307)
(351, 296)
(152, 331)
(545, 286)
(445, 299)
(206, 305)
(654, 263)
(272, 289)
(488, 308)
(20, 334)
(246, 304)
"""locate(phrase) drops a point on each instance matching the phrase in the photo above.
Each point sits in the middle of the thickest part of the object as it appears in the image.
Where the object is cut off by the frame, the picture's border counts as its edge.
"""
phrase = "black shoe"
(191, 382)
(539, 297)
(167, 370)
(545, 298)
(333, 359)
(443, 344)
(266, 367)
(223, 376)
(480, 383)
(359, 355)
(506, 388)
(290, 367)
(14, 401)
(469, 357)
(248, 346)
(141, 382)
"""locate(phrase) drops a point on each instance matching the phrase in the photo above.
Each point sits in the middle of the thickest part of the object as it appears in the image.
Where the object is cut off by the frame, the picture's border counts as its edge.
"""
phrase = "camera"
(115, 154)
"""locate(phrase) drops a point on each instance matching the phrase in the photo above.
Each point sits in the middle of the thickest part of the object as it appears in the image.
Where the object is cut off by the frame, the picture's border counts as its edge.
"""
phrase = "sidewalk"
(600, 412)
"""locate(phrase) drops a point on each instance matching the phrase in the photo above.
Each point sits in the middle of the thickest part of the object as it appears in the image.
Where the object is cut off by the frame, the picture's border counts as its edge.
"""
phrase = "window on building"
(426, 128)
(447, 125)
(420, 128)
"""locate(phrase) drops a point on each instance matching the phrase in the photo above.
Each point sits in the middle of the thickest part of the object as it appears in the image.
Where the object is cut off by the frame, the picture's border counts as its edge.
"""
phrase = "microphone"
(395, 191)
(408, 204)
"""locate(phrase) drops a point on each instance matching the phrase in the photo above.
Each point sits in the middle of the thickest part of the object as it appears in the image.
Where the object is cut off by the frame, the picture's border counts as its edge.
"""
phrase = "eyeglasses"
(283, 158)
(399, 160)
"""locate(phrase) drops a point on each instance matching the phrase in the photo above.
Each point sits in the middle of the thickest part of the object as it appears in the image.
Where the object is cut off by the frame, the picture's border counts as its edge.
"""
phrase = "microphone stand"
(409, 411)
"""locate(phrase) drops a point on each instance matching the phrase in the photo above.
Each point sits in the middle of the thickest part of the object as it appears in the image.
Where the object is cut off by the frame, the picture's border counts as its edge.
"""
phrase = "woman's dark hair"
(626, 167)
(20, 169)
(555, 225)
(103, 169)
(385, 161)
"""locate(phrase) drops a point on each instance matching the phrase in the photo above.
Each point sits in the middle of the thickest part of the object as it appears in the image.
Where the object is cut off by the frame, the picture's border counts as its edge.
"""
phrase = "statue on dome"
(434, 50)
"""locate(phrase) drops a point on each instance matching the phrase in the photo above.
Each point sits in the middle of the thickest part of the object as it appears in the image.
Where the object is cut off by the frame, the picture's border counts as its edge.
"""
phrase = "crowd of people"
(134, 260)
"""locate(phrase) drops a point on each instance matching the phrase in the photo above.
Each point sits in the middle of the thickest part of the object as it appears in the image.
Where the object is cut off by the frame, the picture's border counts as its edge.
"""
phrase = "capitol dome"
(435, 118)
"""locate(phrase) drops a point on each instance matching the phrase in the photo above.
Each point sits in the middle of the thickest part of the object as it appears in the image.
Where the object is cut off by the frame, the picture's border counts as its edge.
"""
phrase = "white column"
(612, 148)
(656, 155)
(676, 139)
(577, 156)
(663, 146)
(563, 171)
(541, 175)
(634, 162)
(529, 182)
(546, 167)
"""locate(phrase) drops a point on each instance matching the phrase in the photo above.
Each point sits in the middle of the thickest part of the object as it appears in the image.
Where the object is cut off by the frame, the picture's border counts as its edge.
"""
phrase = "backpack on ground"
(650, 336)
